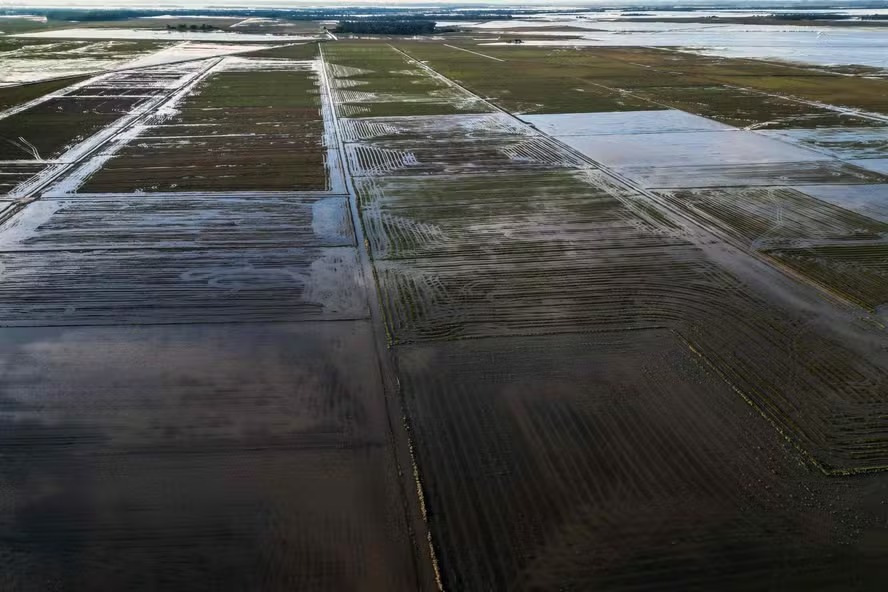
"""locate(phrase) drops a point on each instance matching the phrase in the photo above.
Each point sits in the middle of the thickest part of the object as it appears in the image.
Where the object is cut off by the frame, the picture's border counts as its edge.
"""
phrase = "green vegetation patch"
(280, 89)
(811, 84)
(238, 131)
(372, 79)
(528, 81)
(742, 108)
(738, 92)
(847, 91)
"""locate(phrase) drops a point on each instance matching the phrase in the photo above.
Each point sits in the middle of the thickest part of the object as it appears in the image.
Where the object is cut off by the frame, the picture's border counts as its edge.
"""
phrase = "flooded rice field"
(724, 147)
(191, 379)
(845, 143)
(877, 165)
(622, 122)
(617, 462)
(754, 174)
(822, 46)
(551, 317)
(378, 316)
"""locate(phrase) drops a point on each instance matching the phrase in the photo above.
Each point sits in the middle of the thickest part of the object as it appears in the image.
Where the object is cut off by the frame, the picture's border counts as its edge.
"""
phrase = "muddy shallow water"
(811, 45)
(484, 360)
(227, 457)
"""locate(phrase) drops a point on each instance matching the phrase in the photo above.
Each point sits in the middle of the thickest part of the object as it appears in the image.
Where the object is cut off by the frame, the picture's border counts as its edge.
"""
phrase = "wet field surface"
(614, 388)
(228, 455)
(615, 462)
(198, 457)
(452, 348)
(191, 394)
(199, 451)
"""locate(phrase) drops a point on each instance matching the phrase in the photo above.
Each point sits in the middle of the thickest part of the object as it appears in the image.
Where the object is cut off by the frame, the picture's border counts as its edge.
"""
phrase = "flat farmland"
(392, 313)
(471, 255)
(851, 143)
(12, 174)
(376, 79)
(774, 216)
(293, 51)
(145, 280)
(863, 199)
(614, 462)
(31, 60)
(12, 96)
(840, 249)
(857, 272)
(44, 131)
(449, 144)
(46, 137)
(253, 125)
(601, 312)
(737, 92)
(532, 85)
(250, 456)
(174, 222)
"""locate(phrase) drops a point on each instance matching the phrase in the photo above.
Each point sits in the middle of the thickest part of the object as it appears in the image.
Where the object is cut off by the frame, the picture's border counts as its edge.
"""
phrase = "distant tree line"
(306, 14)
(439, 16)
(387, 27)
(808, 16)
(187, 27)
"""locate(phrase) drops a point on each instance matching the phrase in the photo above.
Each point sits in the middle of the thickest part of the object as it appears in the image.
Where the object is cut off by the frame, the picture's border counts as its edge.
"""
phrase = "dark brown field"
(388, 314)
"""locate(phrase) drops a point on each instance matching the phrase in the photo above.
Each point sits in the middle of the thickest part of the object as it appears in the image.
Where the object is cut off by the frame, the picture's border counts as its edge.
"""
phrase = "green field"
(563, 80)
(376, 80)
(253, 129)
